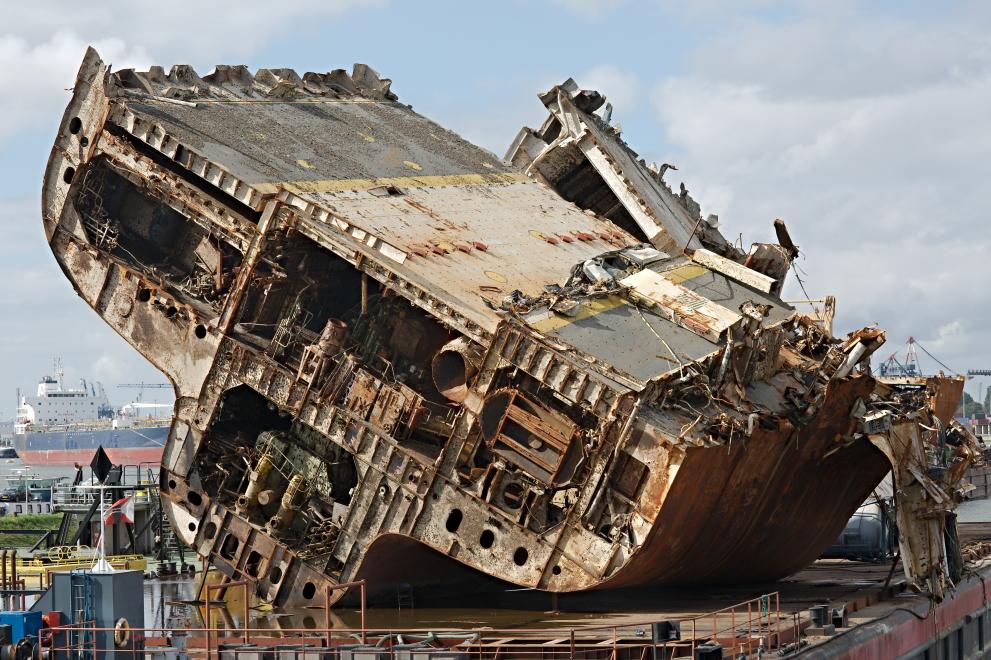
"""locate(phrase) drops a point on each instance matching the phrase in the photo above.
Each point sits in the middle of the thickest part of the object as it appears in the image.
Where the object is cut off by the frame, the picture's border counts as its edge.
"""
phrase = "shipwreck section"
(386, 342)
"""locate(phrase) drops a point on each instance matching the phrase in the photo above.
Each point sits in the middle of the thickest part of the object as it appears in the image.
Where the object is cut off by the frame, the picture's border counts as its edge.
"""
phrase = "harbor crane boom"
(141, 387)
(150, 386)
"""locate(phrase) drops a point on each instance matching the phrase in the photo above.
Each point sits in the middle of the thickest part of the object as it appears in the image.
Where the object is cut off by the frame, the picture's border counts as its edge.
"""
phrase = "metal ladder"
(81, 597)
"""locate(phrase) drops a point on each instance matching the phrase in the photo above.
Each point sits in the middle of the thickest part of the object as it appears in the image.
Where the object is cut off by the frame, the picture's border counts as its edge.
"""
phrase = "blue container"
(22, 624)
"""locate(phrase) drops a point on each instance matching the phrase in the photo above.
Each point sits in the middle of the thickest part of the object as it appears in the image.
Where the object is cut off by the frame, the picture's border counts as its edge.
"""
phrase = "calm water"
(975, 511)
(11, 470)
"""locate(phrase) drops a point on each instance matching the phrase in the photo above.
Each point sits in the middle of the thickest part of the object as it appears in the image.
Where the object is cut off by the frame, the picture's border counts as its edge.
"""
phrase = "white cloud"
(36, 75)
(869, 137)
(39, 61)
(43, 318)
(41, 46)
(496, 109)
(108, 368)
(839, 51)
(621, 87)
(193, 31)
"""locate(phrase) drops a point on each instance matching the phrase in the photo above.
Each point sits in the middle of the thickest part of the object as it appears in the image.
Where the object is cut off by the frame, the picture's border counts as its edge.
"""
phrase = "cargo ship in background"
(65, 426)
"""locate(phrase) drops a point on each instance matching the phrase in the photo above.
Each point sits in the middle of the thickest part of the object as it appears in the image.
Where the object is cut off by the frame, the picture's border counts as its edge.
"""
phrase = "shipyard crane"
(141, 387)
(892, 367)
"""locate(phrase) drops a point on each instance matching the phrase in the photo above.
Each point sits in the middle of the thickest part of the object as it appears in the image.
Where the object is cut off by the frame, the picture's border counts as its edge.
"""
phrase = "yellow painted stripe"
(435, 181)
(587, 310)
(684, 273)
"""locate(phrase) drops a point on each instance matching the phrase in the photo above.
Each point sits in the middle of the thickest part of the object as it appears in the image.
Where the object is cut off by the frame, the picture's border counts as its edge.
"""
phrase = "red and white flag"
(124, 508)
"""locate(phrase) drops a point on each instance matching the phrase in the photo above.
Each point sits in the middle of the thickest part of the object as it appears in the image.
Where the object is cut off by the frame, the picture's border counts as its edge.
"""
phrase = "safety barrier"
(751, 627)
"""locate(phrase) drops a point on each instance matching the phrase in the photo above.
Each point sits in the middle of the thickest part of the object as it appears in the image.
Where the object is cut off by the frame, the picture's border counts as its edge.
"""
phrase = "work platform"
(875, 618)
(137, 485)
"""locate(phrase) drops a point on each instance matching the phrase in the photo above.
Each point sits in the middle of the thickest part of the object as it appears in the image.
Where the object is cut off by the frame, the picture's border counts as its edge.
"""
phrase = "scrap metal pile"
(396, 356)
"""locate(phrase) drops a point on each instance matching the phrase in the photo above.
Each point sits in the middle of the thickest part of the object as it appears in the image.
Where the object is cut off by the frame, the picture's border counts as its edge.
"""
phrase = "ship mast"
(59, 373)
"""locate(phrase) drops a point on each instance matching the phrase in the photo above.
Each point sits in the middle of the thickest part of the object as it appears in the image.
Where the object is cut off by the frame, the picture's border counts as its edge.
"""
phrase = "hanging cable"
(953, 371)
(802, 285)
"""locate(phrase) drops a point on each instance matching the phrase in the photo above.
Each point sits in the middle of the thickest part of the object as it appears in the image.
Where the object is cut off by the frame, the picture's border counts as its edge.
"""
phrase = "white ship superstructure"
(65, 425)
(56, 404)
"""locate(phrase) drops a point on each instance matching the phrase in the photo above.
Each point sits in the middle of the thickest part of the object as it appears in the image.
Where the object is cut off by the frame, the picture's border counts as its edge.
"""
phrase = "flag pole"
(102, 565)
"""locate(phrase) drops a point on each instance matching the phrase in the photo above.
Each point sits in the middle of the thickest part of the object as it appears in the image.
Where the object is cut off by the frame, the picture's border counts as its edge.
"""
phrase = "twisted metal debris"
(399, 358)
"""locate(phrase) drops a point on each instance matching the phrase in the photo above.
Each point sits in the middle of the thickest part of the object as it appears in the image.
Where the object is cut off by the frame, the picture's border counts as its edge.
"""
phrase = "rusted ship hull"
(383, 338)
(761, 508)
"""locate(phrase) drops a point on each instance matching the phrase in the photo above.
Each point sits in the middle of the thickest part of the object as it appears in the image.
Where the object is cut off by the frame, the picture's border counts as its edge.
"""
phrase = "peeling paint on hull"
(517, 367)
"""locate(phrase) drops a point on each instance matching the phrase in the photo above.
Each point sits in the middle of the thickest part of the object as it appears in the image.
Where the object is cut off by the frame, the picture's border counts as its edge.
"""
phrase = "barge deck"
(876, 614)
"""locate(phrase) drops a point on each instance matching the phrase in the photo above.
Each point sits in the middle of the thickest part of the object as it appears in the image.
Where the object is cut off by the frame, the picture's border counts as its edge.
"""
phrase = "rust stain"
(348, 410)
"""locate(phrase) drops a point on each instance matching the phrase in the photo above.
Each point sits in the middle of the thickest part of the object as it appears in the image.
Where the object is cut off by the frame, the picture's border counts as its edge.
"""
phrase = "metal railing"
(100, 425)
(752, 627)
(140, 480)
(85, 495)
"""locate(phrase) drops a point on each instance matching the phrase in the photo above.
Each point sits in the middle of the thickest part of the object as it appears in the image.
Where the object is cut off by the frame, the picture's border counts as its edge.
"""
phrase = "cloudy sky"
(865, 125)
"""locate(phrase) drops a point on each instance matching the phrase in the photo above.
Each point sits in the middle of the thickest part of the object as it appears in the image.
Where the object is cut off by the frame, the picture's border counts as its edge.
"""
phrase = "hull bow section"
(548, 370)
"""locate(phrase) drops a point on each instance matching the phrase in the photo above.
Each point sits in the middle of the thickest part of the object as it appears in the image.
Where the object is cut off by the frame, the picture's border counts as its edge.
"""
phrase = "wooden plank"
(734, 270)
(682, 306)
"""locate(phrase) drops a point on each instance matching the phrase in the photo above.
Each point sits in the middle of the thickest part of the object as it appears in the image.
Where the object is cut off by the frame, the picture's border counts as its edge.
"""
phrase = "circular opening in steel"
(309, 590)
(191, 526)
(520, 556)
(75, 125)
(172, 484)
(194, 498)
(170, 312)
(68, 174)
(450, 374)
(275, 575)
(144, 295)
(454, 520)
(486, 539)
(200, 331)
(210, 530)
(556, 570)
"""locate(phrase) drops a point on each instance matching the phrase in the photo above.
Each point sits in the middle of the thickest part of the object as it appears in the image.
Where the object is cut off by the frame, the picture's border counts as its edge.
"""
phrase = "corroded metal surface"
(395, 354)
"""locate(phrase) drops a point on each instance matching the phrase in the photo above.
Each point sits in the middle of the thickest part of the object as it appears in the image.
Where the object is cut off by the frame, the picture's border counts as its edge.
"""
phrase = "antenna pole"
(102, 565)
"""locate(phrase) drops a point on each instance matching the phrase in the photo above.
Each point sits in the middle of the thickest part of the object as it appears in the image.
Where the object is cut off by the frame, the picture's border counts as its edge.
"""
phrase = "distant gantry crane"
(141, 387)
(892, 367)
